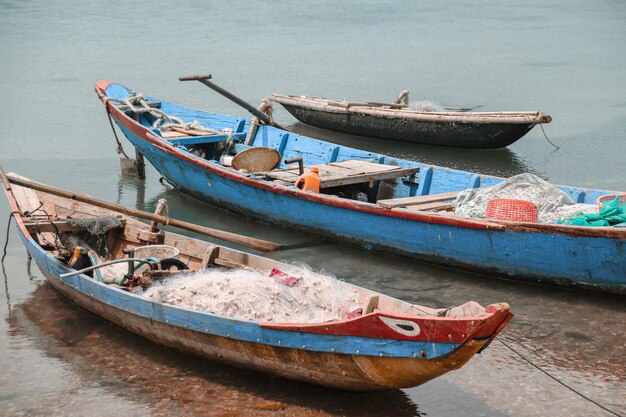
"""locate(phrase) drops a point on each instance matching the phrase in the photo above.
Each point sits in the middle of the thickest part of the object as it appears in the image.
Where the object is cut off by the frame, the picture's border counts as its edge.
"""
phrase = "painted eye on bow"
(405, 327)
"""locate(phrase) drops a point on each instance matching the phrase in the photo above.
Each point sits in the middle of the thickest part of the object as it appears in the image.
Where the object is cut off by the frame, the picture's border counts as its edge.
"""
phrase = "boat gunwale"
(324, 104)
(426, 217)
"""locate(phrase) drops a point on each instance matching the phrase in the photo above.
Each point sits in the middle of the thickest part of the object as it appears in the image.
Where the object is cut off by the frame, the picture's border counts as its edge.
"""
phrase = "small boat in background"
(398, 121)
(77, 240)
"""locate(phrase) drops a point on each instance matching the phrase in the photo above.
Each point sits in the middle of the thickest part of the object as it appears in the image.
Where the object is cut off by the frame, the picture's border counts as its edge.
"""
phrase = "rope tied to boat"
(6, 242)
(546, 136)
(120, 148)
(580, 394)
(165, 210)
(137, 103)
(27, 214)
(265, 107)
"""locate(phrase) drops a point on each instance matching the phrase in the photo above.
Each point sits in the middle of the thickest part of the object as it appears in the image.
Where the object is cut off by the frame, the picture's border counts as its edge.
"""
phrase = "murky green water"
(567, 59)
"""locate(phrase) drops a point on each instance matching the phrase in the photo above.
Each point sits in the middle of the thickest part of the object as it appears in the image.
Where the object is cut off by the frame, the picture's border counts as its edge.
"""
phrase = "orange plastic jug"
(309, 181)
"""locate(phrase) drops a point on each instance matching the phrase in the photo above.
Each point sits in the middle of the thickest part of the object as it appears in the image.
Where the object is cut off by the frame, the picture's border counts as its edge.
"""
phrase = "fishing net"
(96, 225)
(93, 233)
(425, 106)
(552, 202)
(469, 309)
(296, 297)
(612, 213)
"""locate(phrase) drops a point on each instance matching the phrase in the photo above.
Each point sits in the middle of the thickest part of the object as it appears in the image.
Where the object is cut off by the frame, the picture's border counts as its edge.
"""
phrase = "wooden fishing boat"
(463, 129)
(369, 199)
(386, 344)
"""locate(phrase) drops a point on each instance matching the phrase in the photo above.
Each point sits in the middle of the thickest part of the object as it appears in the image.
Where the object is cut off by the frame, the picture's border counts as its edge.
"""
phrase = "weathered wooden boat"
(369, 199)
(397, 121)
(387, 344)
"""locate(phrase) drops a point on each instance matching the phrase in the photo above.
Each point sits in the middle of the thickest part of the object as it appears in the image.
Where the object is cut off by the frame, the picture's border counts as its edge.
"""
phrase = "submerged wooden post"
(140, 165)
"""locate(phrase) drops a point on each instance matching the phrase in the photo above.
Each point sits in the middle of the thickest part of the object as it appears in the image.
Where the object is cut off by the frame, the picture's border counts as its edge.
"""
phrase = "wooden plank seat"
(431, 202)
(197, 140)
(184, 137)
(55, 226)
(336, 174)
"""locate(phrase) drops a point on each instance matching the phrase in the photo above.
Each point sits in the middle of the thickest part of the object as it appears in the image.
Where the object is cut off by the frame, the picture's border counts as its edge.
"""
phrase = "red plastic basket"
(610, 197)
(512, 210)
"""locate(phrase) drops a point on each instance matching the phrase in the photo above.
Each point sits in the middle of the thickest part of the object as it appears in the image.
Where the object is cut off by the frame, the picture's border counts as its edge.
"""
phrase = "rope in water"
(120, 148)
(556, 379)
(6, 243)
(546, 136)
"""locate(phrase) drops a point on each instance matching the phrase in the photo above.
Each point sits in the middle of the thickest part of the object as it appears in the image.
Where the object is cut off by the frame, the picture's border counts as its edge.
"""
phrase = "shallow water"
(567, 59)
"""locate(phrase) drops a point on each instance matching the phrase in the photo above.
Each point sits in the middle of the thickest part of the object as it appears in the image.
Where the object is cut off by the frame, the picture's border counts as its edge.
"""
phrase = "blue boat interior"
(422, 182)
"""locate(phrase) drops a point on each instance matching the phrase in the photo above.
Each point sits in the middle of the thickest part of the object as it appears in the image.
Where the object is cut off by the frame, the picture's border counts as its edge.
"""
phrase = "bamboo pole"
(250, 242)
(5, 180)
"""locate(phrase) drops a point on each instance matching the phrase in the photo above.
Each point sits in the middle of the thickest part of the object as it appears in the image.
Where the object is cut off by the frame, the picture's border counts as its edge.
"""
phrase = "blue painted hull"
(245, 331)
(554, 255)
(335, 361)
(558, 259)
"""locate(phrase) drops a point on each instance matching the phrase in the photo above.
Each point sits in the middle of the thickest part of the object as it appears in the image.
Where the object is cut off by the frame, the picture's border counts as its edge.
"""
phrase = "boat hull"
(453, 134)
(531, 256)
(337, 371)
(587, 257)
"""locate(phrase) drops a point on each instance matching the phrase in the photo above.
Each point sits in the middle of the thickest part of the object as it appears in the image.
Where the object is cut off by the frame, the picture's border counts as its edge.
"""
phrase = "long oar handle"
(204, 79)
(5, 181)
(250, 242)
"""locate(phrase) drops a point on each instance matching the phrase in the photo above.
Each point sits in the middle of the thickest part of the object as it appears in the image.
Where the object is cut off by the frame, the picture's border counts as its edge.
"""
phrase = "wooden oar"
(250, 242)
(5, 180)
(204, 79)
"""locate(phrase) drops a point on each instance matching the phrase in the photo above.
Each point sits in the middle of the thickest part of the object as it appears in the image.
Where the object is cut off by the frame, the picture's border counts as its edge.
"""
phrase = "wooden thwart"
(336, 174)
(55, 226)
(425, 202)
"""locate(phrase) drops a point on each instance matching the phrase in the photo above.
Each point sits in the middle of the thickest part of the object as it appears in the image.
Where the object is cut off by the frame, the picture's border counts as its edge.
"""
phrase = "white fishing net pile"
(251, 295)
(114, 274)
(552, 203)
(425, 106)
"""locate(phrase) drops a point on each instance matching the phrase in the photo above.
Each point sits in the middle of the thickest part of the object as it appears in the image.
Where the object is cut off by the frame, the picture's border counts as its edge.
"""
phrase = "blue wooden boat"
(379, 202)
(386, 344)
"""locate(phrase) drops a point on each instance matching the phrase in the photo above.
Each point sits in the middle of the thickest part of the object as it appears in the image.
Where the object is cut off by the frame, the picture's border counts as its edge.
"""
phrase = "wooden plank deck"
(432, 202)
(335, 174)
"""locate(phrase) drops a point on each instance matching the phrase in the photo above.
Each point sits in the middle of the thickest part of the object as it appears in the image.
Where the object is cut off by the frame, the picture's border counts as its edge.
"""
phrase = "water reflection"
(501, 162)
(135, 187)
(569, 333)
(184, 207)
(164, 380)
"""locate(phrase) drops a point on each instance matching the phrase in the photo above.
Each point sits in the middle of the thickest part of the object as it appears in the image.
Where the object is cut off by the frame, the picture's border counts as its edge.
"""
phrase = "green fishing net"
(612, 213)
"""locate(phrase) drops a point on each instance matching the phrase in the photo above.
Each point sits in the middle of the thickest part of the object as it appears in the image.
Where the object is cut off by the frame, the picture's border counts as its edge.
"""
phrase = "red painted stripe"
(424, 217)
(432, 329)
(101, 87)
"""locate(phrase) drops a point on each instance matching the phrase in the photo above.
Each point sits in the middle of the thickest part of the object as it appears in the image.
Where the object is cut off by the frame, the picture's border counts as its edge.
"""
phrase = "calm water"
(565, 58)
